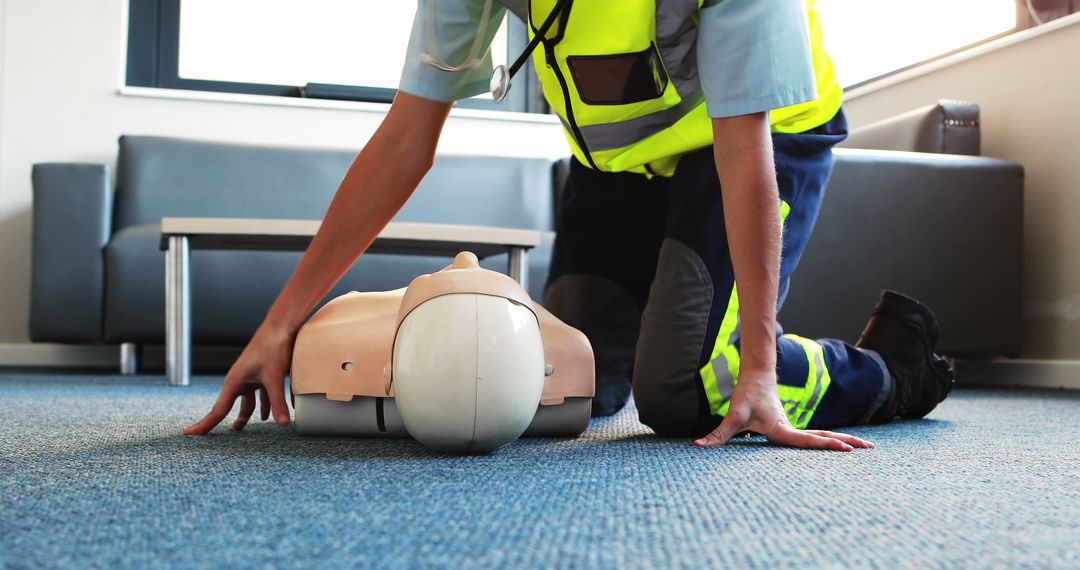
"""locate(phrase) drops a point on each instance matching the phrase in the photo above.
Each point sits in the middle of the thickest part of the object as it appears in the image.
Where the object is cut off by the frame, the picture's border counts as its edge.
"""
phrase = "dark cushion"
(947, 230)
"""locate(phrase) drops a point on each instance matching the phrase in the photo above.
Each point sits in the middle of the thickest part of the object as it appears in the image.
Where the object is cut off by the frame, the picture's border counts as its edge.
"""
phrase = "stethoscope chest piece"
(500, 83)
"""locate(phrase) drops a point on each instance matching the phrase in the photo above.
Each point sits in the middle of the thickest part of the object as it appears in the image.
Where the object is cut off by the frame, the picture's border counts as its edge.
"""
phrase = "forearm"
(380, 180)
(744, 163)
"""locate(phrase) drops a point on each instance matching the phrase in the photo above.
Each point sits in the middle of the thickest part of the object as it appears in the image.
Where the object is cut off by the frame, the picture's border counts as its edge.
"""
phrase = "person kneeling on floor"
(702, 139)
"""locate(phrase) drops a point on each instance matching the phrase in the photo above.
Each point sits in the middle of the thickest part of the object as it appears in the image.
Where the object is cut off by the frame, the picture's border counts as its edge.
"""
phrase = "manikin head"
(456, 360)
(468, 359)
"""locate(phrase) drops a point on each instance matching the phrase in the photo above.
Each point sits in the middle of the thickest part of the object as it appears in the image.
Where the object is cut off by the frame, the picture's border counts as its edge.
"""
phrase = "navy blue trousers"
(642, 267)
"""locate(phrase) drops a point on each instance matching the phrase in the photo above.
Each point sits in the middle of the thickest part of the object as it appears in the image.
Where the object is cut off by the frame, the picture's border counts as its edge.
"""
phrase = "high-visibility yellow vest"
(625, 84)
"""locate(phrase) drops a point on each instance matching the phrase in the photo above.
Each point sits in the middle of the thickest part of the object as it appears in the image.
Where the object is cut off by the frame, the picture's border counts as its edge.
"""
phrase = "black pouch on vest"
(619, 79)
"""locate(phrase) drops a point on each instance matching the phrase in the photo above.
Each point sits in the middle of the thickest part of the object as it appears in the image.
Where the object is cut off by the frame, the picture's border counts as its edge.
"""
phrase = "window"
(1035, 12)
(354, 49)
(868, 39)
(348, 49)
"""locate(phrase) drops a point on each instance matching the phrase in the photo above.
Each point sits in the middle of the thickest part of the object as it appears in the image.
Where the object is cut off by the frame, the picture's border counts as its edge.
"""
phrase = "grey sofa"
(911, 207)
(98, 275)
(944, 228)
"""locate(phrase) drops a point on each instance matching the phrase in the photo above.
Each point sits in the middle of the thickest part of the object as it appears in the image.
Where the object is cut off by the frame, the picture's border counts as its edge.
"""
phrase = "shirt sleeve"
(754, 56)
(453, 25)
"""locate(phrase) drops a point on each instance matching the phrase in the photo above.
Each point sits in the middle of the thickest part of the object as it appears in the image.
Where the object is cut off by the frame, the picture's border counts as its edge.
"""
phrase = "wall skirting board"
(995, 372)
(97, 357)
(1026, 373)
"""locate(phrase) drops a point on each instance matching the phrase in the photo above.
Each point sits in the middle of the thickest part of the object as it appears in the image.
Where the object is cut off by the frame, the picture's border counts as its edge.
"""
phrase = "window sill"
(363, 107)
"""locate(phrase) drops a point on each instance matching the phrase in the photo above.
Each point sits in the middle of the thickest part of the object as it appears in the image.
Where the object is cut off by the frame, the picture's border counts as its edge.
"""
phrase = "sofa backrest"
(160, 177)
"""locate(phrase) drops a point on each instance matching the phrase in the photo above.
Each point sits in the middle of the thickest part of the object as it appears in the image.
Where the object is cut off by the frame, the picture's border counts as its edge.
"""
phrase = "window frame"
(153, 60)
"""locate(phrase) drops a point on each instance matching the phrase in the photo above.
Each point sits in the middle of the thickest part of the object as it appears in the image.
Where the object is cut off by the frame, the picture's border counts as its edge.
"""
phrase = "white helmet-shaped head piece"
(468, 359)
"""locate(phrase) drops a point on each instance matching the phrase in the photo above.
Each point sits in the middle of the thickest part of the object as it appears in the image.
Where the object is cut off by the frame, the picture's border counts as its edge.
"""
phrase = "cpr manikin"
(462, 360)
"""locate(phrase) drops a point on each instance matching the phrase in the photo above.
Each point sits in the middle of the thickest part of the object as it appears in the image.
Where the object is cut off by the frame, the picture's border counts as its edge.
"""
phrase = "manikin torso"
(343, 380)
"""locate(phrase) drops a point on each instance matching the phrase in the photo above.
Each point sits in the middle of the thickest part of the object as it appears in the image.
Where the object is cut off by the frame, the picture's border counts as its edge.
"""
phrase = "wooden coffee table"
(180, 235)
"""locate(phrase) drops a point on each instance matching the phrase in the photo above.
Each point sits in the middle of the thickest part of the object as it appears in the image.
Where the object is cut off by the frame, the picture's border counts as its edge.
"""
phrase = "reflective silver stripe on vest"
(676, 38)
(608, 136)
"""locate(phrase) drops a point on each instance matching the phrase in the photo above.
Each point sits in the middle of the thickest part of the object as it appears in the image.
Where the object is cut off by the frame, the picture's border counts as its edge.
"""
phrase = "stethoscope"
(502, 77)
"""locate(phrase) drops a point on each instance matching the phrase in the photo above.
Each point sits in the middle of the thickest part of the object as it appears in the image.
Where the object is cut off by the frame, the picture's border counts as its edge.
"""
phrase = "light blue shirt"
(753, 55)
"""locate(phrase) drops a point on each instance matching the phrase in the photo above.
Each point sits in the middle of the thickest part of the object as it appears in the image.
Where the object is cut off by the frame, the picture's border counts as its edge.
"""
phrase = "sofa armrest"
(72, 222)
(948, 127)
(947, 230)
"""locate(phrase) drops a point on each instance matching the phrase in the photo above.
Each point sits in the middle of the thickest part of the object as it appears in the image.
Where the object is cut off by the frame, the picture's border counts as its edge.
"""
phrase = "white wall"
(1029, 93)
(3, 42)
(60, 67)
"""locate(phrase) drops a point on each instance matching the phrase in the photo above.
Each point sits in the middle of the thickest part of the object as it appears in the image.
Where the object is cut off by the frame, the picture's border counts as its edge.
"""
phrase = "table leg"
(178, 311)
(129, 358)
(519, 265)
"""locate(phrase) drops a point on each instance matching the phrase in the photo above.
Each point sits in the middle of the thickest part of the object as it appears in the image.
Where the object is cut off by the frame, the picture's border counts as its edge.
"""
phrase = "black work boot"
(904, 331)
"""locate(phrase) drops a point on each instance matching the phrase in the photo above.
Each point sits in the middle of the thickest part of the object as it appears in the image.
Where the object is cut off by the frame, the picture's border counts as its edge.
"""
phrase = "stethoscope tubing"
(538, 37)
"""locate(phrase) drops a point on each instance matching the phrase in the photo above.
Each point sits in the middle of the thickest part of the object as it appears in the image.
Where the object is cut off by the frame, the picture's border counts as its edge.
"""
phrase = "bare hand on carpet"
(756, 408)
(261, 369)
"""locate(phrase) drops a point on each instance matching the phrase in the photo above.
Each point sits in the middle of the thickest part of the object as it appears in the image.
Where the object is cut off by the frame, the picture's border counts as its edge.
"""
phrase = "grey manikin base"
(316, 415)
(565, 420)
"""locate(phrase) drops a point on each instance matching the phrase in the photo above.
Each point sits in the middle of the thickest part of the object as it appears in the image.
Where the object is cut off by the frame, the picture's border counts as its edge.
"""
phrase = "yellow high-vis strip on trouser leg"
(801, 403)
(721, 373)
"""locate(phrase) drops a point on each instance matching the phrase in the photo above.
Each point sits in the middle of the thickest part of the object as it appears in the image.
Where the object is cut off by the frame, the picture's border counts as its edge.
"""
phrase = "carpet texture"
(94, 473)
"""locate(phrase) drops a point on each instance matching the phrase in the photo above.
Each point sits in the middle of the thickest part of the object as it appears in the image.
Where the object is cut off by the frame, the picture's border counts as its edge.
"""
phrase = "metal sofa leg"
(129, 358)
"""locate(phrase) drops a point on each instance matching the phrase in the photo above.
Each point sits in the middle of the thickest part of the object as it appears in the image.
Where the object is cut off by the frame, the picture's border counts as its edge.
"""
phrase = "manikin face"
(464, 275)
(465, 260)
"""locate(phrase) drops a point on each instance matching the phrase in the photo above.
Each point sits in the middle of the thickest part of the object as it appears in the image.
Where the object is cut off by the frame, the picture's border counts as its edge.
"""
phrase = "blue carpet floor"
(94, 473)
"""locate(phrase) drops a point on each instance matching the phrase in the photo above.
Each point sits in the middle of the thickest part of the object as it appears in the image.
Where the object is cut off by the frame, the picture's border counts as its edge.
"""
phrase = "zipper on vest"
(549, 54)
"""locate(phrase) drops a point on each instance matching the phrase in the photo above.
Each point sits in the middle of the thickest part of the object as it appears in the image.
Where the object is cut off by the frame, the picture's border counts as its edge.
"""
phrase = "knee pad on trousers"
(610, 318)
(667, 384)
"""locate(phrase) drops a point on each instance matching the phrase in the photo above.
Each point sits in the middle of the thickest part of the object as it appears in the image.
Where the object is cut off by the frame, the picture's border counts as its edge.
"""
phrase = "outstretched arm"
(744, 162)
(380, 180)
